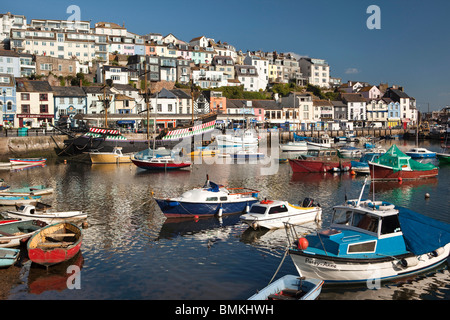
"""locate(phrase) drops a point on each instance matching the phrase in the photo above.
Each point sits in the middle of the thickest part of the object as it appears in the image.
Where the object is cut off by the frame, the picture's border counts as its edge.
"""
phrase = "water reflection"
(131, 251)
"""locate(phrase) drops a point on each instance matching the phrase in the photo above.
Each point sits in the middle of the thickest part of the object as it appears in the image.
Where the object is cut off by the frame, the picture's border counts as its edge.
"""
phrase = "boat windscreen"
(257, 209)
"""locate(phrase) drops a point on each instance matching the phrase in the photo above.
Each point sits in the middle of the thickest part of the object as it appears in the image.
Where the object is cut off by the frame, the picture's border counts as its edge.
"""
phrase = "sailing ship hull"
(307, 166)
(381, 172)
(348, 270)
(160, 166)
(191, 209)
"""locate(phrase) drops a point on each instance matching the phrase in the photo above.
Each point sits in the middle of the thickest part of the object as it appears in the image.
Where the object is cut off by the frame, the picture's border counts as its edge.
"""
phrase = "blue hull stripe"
(170, 208)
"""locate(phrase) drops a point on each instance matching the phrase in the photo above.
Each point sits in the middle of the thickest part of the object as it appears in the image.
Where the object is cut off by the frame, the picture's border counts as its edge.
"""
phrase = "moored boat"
(319, 161)
(27, 161)
(294, 146)
(13, 200)
(209, 200)
(115, 156)
(362, 166)
(8, 257)
(272, 214)
(369, 241)
(395, 165)
(443, 157)
(290, 287)
(30, 212)
(320, 143)
(54, 244)
(12, 233)
(37, 190)
(419, 153)
(160, 163)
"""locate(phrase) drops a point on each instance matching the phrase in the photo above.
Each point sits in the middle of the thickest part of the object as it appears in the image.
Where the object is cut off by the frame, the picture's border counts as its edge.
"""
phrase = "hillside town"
(58, 71)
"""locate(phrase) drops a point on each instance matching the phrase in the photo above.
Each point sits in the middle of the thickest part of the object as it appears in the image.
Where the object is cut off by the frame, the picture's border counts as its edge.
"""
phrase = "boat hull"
(346, 270)
(443, 157)
(49, 217)
(51, 256)
(420, 155)
(18, 231)
(192, 209)
(380, 172)
(147, 165)
(299, 165)
(108, 158)
(311, 288)
(26, 161)
(276, 221)
(13, 200)
(8, 257)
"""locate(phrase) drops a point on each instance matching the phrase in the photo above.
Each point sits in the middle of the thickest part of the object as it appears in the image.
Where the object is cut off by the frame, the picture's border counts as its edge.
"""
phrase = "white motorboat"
(420, 153)
(319, 143)
(293, 146)
(272, 214)
(30, 212)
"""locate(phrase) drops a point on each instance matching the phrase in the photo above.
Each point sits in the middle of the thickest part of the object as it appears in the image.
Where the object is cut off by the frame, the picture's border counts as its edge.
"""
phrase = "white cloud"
(351, 71)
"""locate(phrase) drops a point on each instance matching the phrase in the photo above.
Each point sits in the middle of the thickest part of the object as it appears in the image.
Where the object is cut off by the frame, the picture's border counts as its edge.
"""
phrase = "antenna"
(362, 190)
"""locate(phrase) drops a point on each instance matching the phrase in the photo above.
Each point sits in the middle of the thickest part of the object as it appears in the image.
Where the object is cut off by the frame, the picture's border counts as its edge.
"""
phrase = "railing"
(33, 132)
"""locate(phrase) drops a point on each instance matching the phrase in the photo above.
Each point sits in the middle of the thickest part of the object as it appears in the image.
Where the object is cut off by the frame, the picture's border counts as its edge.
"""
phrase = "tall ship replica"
(106, 139)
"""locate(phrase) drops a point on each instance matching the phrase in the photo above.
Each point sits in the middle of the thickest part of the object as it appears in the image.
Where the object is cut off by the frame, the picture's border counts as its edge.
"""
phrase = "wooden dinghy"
(54, 244)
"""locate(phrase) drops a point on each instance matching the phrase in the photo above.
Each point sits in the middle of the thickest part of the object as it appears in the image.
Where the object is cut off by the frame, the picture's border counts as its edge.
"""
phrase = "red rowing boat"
(55, 243)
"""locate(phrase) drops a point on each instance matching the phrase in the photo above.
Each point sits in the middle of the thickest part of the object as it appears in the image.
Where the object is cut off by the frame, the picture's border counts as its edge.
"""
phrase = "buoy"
(352, 173)
(84, 224)
(400, 179)
(303, 243)
(196, 217)
(427, 195)
(65, 161)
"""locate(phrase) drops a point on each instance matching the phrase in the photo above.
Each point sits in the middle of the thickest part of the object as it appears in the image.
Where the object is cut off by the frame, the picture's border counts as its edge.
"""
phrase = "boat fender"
(409, 262)
(437, 252)
(219, 213)
(303, 243)
(173, 203)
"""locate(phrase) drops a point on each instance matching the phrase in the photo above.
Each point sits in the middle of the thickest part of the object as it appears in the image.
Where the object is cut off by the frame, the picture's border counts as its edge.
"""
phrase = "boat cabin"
(324, 153)
(360, 230)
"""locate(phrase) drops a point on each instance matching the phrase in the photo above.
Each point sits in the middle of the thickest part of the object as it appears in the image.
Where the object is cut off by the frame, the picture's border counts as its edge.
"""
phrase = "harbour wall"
(45, 145)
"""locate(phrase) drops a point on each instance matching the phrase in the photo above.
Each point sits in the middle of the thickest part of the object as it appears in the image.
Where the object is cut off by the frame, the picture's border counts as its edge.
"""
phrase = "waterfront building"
(393, 117)
(408, 111)
(317, 71)
(325, 112)
(95, 96)
(35, 103)
(174, 101)
(8, 106)
(377, 110)
(133, 93)
(10, 63)
(339, 110)
(356, 106)
(69, 101)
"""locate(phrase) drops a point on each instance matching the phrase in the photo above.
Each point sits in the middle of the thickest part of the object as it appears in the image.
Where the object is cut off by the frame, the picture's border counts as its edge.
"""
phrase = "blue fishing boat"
(13, 200)
(419, 153)
(8, 257)
(209, 200)
(369, 241)
(290, 287)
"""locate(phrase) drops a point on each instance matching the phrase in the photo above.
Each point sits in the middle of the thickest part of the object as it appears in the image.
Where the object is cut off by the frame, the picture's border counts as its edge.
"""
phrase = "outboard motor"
(308, 202)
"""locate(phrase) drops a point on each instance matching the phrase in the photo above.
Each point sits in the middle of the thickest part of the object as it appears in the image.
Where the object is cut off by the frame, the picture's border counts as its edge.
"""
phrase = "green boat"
(38, 190)
(443, 158)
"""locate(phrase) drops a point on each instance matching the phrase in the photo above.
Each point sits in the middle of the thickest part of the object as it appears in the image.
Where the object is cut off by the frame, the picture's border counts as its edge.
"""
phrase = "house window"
(25, 108)
(25, 96)
(43, 97)
(43, 108)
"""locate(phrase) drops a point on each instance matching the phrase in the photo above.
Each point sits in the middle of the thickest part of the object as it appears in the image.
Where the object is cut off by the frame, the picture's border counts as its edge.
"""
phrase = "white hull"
(277, 220)
(14, 241)
(335, 270)
(318, 146)
(294, 146)
(49, 218)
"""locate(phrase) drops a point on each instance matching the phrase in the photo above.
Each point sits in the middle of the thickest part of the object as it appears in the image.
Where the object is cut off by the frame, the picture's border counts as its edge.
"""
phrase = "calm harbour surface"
(131, 251)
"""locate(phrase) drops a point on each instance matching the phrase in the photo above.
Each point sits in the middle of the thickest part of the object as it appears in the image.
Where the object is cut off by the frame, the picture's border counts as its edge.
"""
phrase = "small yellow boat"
(116, 156)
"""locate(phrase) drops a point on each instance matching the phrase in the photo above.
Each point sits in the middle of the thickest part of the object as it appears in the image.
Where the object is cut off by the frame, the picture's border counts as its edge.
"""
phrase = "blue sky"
(411, 49)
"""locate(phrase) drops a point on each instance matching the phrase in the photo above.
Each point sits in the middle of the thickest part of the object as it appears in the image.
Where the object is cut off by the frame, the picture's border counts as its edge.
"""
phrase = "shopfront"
(35, 120)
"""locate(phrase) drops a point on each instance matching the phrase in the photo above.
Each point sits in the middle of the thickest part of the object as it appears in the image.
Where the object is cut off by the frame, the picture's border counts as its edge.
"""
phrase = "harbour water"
(130, 251)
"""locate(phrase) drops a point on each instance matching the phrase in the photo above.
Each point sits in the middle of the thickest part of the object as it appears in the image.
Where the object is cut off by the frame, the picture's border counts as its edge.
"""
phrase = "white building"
(248, 77)
(262, 68)
(209, 78)
(317, 71)
(118, 74)
(356, 106)
(10, 21)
